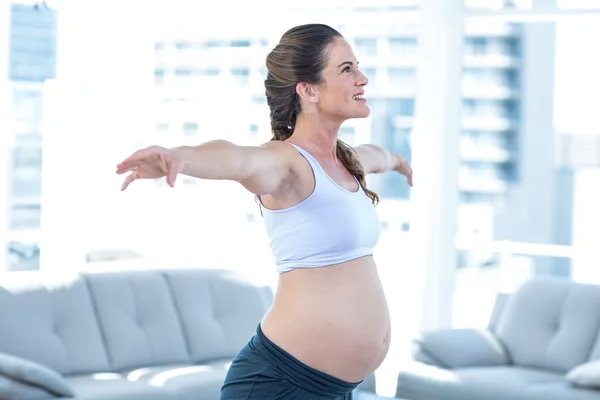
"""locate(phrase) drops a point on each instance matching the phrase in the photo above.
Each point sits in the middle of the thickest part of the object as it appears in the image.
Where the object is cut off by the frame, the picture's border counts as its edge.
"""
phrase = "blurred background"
(494, 102)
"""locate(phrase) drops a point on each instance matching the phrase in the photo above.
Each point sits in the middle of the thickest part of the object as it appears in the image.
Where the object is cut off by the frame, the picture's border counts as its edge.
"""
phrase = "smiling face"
(341, 93)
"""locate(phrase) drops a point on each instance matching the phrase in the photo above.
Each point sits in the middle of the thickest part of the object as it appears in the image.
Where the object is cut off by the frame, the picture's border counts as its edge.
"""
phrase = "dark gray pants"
(264, 371)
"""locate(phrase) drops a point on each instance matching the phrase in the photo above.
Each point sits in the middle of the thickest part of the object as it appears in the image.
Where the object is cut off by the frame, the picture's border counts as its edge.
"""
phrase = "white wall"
(96, 113)
(586, 226)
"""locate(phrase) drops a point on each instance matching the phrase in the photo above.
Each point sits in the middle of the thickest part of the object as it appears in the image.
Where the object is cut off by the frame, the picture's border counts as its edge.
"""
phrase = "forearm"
(216, 159)
(385, 160)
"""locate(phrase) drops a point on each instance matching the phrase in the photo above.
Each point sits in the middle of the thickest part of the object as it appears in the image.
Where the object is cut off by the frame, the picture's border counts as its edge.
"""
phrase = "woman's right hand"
(151, 163)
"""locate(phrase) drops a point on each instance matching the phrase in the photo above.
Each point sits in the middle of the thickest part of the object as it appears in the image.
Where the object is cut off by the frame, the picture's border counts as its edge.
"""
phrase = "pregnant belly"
(334, 319)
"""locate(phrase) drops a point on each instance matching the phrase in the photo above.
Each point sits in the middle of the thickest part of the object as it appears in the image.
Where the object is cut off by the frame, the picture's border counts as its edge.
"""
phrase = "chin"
(363, 113)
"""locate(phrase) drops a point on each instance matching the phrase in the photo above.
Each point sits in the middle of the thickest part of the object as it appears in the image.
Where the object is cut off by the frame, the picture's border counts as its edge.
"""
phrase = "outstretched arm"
(376, 160)
(260, 169)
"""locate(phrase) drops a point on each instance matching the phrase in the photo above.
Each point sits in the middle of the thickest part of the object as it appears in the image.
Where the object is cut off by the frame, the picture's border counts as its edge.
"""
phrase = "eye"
(347, 69)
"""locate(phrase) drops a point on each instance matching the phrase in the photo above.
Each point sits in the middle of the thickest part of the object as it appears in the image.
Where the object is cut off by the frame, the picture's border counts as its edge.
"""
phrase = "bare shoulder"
(269, 167)
(277, 146)
(283, 151)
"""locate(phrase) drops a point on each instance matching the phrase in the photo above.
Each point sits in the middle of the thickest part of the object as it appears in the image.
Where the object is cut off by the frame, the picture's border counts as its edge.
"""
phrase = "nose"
(361, 80)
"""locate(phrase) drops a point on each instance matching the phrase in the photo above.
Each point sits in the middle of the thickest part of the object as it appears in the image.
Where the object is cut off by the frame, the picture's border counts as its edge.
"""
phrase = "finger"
(409, 175)
(172, 171)
(121, 169)
(138, 156)
(132, 177)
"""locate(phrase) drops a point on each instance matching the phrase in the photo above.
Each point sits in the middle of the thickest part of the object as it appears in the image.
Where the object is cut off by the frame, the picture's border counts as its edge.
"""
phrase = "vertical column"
(97, 111)
(586, 226)
(436, 136)
(5, 129)
(575, 113)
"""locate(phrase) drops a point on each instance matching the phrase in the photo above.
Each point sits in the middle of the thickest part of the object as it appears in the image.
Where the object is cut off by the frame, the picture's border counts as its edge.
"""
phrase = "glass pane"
(501, 4)
(529, 150)
(31, 60)
(32, 43)
(497, 5)
(579, 4)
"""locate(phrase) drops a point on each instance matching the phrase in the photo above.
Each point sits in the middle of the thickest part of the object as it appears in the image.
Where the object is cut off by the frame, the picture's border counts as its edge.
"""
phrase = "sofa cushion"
(219, 310)
(190, 382)
(52, 322)
(112, 386)
(455, 348)
(561, 390)
(33, 374)
(550, 324)
(137, 318)
(595, 351)
(586, 375)
(491, 383)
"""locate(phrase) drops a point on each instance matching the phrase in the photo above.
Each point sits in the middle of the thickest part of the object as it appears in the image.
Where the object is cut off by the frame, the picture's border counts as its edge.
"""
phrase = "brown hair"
(301, 56)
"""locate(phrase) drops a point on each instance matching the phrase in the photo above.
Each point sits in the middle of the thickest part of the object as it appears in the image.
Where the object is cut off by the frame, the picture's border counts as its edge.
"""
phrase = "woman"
(328, 327)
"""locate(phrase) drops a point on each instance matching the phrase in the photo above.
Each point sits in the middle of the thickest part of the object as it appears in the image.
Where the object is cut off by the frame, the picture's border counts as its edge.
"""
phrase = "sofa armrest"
(13, 389)
(499, 306)
(456, 348)
(21, 372)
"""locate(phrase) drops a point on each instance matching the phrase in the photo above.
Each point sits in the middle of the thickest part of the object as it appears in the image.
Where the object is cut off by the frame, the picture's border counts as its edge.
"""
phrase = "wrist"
(181, 155)
(398, 163)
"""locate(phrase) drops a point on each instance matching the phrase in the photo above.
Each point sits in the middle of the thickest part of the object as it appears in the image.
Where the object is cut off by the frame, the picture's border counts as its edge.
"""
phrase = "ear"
(307, 92)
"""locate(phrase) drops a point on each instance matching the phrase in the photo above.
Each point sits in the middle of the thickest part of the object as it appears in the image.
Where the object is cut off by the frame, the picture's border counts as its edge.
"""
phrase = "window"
(25, 216)
(190, 128)
(529, 200)
(403, 46)
(366, 47)
(183, 72)
(211, 72)
(348, 135)
(241, 76)
(162, 128)
(183, 46)
(402, 76)
(159, 76)
(27, 105)
(402, 107)
(240, 43)
(476, 46)
(253, 130)
(27, 181)
(370, 73)
(27, 157)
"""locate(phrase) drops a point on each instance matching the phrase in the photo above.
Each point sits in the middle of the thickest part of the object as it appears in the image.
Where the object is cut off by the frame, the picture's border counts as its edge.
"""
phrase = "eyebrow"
(347, 63)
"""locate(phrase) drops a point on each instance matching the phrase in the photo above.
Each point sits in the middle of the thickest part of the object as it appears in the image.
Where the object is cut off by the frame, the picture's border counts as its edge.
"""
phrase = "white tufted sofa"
(543, 343)
(131, 335)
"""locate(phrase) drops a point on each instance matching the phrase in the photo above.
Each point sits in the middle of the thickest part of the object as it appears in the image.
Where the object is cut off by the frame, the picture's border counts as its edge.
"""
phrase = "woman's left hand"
(404, 168)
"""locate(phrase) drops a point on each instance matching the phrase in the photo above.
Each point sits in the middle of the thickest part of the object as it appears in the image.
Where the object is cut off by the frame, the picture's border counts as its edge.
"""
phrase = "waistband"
(308, 378)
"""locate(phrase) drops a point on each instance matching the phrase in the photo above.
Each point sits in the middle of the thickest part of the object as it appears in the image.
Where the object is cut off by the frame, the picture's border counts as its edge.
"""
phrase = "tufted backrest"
(116, 321)
(138, 318)
(51, 322)
(551, 323)
(219, 310)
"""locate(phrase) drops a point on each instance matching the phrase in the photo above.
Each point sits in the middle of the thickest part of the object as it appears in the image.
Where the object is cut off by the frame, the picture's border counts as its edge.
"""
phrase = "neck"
(318, 133)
